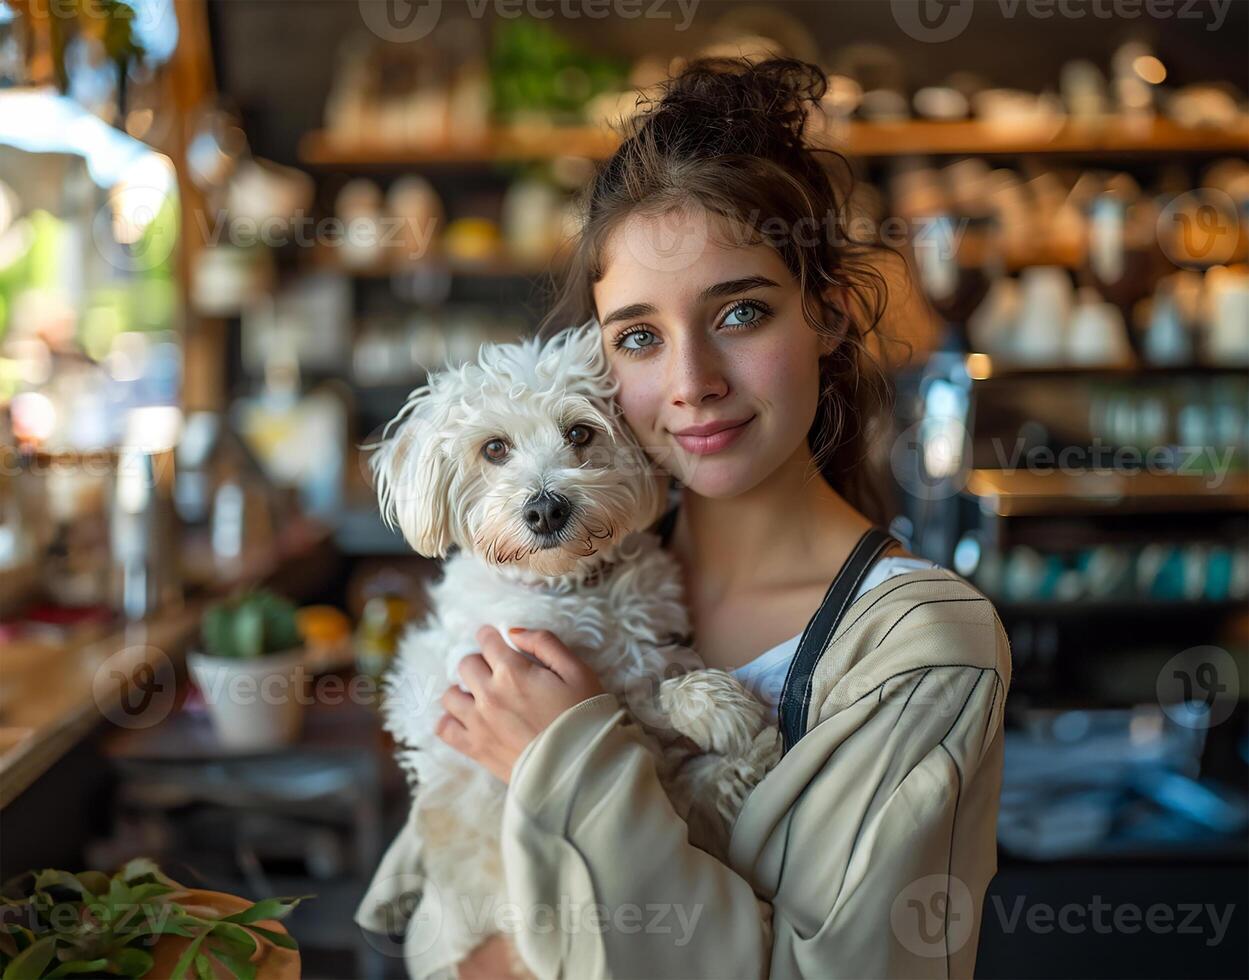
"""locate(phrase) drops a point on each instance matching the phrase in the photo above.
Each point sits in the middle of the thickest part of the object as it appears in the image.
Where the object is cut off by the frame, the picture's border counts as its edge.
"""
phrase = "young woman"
(740, 319)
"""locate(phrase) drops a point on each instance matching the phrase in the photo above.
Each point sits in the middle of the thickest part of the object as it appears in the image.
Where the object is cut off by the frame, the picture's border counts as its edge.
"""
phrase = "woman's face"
(703, 334)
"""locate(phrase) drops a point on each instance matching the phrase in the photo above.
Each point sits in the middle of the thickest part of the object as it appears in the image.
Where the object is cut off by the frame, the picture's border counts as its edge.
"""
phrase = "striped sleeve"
(898, 827)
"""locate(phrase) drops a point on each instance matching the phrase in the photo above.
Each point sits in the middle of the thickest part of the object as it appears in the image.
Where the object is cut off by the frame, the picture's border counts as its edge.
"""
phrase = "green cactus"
(249, 626)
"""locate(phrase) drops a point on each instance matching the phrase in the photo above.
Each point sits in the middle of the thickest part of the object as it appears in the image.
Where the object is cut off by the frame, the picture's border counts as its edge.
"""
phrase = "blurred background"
(234, 235)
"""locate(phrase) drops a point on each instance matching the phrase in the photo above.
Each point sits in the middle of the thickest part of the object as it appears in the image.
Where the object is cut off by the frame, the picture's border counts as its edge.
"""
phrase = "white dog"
(522, 463)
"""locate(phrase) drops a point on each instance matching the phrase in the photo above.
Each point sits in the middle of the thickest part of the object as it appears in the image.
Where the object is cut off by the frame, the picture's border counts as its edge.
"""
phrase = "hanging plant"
(108, 22)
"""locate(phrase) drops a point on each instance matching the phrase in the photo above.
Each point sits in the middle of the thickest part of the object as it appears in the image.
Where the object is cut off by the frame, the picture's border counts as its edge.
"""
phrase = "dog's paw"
(709, 791)
(712, 708)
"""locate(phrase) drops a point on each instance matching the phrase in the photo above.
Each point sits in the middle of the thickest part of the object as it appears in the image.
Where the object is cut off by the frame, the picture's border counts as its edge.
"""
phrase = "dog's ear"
(585, 344)
(412, 473)
(575, 357)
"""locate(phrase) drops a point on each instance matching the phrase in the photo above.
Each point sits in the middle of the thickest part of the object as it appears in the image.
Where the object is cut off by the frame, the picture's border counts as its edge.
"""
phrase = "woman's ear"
(836, 319)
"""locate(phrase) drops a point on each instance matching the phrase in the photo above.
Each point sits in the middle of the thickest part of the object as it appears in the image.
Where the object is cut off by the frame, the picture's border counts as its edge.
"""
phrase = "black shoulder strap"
(796, 694)
(666, 524)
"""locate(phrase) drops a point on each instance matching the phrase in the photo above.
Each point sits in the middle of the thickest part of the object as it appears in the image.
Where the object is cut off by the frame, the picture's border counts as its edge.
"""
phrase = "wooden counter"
(52, 694)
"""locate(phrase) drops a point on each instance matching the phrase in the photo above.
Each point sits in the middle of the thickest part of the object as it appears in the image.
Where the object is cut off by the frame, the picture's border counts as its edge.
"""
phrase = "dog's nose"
(547, 513)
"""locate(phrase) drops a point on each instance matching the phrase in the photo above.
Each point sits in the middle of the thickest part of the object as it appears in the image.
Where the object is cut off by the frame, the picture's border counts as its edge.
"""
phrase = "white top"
(765, 675)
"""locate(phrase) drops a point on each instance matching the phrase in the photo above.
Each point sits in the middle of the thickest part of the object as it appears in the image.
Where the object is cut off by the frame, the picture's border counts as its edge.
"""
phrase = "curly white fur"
(603, 585)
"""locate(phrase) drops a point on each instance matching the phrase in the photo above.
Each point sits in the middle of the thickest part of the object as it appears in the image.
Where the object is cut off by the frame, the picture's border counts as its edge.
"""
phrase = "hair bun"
(722, 106)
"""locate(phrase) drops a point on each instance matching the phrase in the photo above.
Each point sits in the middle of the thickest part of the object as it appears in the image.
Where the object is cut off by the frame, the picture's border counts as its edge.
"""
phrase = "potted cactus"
(251, 671)
(139, 923)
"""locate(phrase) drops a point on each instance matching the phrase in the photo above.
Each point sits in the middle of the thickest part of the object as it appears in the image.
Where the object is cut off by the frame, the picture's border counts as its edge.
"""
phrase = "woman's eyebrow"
(628, 313)
(730, 287)
(733, 286)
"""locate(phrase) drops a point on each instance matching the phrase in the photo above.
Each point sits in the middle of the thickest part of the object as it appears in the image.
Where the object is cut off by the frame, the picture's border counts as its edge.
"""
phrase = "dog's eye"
(579, 435)
(495, 450)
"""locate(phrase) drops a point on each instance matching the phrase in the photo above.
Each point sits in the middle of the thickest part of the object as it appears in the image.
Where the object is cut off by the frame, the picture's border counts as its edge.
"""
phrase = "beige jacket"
(871, 842)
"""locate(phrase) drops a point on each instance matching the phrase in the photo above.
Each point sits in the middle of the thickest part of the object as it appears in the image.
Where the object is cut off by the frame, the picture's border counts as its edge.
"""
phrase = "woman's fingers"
(475, 672)
(459, 704)
(451, 730)
(548, 648)
(496, 651)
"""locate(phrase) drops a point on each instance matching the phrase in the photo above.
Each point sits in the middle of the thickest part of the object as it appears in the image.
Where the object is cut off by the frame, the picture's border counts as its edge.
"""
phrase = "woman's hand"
(491, 960)
(511, 700)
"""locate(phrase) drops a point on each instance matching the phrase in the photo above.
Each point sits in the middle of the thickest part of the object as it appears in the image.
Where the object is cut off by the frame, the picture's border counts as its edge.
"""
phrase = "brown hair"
(727, 135)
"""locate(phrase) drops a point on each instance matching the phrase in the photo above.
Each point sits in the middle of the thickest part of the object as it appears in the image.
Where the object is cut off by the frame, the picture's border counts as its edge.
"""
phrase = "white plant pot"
(254, 703)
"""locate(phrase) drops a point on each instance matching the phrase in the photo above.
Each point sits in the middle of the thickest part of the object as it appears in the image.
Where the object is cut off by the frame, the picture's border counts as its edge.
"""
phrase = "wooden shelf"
(1104, 607)
(1029, 494)
(500, 265)
(1007, 372)
(321, 148)
(1109, 137)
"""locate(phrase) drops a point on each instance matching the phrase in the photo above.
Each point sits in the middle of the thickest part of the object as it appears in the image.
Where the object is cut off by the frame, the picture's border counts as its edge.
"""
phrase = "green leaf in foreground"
(185, 960)
(269, 908)
(30, 963)
(241, 968)
(277, 938)
(79, 966)
(133, 962)
(203, 969)
(60, 925)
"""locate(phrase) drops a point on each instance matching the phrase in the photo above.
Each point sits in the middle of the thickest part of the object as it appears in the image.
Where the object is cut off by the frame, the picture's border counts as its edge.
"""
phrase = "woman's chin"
(728, 473)
(719, 479)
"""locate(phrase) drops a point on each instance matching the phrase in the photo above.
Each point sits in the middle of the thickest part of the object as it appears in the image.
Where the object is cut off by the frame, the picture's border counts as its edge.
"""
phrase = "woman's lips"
(705, 445)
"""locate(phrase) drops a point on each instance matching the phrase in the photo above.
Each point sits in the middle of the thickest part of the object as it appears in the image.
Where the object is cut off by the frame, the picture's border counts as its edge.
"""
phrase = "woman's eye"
(579, 435)
(495, 450)
(636, 340)
(744, 314)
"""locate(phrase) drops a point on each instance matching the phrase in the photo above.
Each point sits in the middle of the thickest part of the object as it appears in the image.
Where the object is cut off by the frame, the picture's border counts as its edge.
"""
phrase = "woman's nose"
(698, 375)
